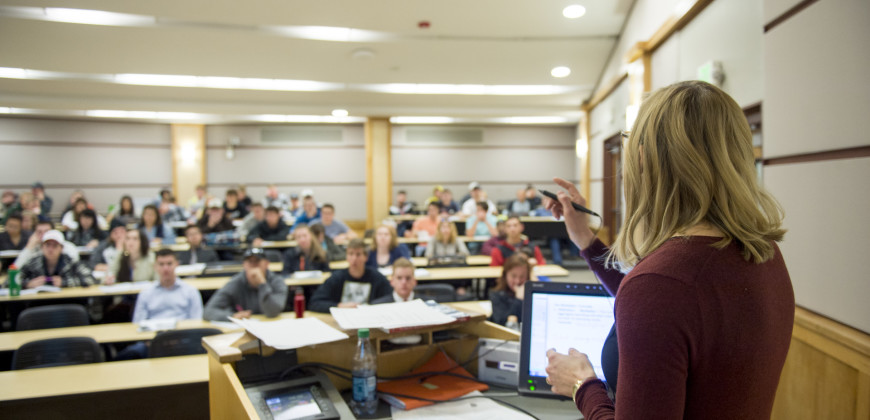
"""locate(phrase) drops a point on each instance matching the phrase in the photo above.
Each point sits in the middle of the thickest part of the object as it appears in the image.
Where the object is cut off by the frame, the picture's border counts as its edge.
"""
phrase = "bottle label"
(364, 388)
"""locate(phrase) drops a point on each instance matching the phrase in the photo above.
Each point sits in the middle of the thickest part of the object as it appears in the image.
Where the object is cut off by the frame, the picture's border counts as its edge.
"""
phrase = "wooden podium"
(227, 397)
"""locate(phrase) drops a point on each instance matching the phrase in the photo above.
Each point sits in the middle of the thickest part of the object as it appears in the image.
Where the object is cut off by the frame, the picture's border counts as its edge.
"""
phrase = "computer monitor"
(561, 316)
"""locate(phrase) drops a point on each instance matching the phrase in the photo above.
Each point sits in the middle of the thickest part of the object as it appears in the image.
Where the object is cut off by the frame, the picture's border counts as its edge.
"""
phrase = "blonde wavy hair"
(689, 161)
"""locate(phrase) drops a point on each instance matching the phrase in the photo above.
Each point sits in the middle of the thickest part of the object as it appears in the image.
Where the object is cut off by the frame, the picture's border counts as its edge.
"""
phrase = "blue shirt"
(168, 237)
(181, 301)
(482, 229)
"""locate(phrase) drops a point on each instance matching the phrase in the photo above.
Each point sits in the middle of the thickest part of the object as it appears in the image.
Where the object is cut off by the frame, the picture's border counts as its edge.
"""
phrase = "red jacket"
(504, 250)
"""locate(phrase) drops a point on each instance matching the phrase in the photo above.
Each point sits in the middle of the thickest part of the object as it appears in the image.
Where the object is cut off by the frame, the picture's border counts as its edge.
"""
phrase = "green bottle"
(14, 285)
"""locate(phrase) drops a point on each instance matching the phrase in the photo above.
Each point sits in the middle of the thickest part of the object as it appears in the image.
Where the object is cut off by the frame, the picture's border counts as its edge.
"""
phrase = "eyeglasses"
(626, 134)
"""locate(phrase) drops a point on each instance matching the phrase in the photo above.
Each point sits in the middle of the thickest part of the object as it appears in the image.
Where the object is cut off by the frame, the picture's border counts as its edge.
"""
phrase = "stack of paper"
(311, 274)
(291, 333)
(124, 287)
(389, 316)
(189, 270)
(158, 324)
(40, 289)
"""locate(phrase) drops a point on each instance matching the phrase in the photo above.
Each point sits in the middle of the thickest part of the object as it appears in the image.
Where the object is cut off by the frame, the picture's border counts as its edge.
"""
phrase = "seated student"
(308, 255)
(134, 263)
(233, 209)
(87, 233)
(448, 205)
(272, 228)
(493, 242)
(167, 298)
(8, 205)
(513, 242)
(244, 199)
(556, 244)
(197, 253)
(334, 228)
(295, 208)
(171, 212)
(507, 296)
(52, 267)
(482, 223)
(155, 229)
(333, 251)
(532, 196)
(108, 248)
(387, 248)
(70, 218)
(256, 215)
(26, 202)
(214, 219)
(125, 213)
(197, 202)
(34, 243)
(469, 207)
(521, 206)
(446, 242)
(403, 282)
(13, 238)
(426, 226)
(28, 221)
(353, 286)
(255, 290)
(45, 202)
(402, 205)
(275, 199)
(310, 212)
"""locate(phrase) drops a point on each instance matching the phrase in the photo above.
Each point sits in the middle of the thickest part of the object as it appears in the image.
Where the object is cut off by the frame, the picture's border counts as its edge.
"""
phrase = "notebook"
(561, 316)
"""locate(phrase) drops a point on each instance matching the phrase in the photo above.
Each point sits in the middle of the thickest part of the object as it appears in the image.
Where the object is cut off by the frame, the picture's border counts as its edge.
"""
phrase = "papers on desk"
(288, 334)
(390, 316)
(158, 324)
(9, 253)
(472, 409)
(125, 287)
(421, 272)
(226, 325)
(312, 274)
(40, 289)
(189, 270)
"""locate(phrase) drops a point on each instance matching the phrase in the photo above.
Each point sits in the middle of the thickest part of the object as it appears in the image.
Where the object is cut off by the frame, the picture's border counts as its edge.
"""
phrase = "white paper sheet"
(389, 315)
(40, 289)
(189, 270)
(288, 334)
(311, 274)
(160, 324)
(124, 287)
(472, 409)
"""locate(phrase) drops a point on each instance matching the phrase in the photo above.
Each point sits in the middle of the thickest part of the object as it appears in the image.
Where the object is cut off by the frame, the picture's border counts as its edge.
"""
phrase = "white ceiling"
(478, 42)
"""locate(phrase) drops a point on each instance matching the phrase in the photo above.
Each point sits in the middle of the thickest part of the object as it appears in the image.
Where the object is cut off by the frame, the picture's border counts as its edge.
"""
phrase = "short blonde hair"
(402, 263)
(689, 160)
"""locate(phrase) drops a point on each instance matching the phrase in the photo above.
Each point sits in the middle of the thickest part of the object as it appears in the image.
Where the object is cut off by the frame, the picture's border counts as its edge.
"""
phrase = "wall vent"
(301, 134)
(444, 135)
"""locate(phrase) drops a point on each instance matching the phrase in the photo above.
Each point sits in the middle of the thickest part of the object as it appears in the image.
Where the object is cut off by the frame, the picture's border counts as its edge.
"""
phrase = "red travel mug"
(299, 303)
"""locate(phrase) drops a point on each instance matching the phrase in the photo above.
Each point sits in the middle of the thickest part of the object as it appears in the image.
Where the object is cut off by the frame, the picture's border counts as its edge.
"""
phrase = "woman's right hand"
(109, 280)
(576, 223)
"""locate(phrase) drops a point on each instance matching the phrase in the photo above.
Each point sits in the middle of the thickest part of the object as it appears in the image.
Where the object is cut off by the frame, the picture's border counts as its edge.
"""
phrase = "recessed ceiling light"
(573, 11)
(560, 71)
(339, 112)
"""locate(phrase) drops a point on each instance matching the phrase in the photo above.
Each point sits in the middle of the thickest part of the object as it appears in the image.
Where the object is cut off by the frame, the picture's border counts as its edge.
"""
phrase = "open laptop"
(561, 316)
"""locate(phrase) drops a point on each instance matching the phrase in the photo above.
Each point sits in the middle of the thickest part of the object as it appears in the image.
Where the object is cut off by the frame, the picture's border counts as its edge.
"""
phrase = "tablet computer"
(561, 316)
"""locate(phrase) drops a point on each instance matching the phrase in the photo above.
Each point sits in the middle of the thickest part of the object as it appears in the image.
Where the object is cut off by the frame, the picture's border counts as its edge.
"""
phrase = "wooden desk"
(102, 333)
(465, 239)
(169, 387)
(423, 262)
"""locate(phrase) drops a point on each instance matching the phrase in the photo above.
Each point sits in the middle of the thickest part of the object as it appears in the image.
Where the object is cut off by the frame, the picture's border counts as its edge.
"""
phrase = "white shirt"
(398, 298)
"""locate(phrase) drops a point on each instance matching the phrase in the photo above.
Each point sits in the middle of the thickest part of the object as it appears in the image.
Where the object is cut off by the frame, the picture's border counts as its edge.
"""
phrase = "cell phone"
(573, 204)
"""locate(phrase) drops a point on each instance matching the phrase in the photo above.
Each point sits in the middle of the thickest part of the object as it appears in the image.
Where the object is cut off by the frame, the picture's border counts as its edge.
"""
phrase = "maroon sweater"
(702, 334)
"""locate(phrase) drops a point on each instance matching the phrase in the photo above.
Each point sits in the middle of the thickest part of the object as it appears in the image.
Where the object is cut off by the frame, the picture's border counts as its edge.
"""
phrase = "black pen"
(573, 204)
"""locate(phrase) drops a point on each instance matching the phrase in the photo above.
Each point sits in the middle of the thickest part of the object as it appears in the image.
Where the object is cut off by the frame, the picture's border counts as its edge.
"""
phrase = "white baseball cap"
(53, 235)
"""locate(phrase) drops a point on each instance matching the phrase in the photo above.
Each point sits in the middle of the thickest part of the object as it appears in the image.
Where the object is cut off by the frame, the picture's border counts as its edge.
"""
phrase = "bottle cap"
(362, 333)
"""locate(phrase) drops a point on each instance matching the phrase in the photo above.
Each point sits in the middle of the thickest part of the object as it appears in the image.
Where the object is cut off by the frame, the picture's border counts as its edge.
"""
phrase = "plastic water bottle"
(299, 303)
(364, 368)
(14, 283)
(512, 322)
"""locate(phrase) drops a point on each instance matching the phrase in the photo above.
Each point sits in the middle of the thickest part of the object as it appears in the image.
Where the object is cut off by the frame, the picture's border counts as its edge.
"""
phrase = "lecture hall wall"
(808, 73)
(108, 159)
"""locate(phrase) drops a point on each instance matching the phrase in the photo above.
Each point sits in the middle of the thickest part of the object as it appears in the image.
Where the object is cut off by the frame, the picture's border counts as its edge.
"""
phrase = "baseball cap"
(254, 253)
(307, 193)
(473, 185)
(53, 235)
(215, 203)
(38, 184)
(294, 196)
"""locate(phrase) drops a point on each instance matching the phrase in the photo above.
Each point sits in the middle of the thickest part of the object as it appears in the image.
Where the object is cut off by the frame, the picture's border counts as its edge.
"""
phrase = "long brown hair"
(315, 251)
(125, 268)
(517, 260)
(689, 161)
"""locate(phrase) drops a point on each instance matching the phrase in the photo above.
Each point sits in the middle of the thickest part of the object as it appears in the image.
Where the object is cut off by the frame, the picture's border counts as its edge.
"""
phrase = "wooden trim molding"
(288, 184)
(285, 147)
(788, 14)
(84, 144)
(462, 147)
(604, 92)
(850, 153)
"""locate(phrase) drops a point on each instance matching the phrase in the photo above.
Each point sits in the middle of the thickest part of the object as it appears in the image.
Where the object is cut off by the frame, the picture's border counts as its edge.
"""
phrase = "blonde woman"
(445, 242)
(704, 316)
(387, 248)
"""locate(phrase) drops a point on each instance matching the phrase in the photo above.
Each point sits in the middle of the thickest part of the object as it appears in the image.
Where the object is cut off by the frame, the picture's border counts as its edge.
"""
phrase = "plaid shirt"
(72, 273)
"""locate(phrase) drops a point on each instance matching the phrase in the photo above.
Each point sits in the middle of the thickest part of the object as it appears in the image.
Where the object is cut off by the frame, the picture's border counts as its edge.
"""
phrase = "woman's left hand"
(564, 370)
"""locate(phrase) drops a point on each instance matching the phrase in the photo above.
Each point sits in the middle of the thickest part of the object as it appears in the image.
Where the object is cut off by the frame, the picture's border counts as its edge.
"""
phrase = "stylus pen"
(573, 204)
